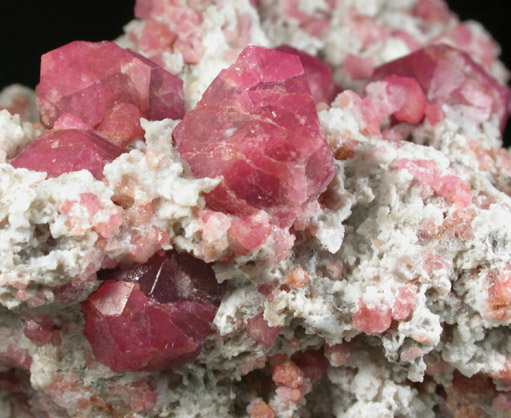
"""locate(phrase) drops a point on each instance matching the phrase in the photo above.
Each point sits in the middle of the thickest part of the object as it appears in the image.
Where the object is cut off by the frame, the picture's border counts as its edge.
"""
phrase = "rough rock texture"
(378, 286)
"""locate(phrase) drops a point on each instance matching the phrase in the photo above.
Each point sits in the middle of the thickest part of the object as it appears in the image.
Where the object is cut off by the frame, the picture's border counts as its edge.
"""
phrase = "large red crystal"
(449, 76)
(153, 316)
(58, 152)
(88, 80)
(257, 126)
(319, 75)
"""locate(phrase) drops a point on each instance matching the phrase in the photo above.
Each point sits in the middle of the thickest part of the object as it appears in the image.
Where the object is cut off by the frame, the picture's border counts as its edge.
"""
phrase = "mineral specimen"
(326, 230)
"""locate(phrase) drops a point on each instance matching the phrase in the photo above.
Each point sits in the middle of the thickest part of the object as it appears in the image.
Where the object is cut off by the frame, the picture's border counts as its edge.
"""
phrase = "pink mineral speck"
(121, 124)
(449, 76)
(433, 11)
(156, 37)
(499, 296)
(502, 403)
(139, 396)
(319, 75)
(66, 392)
(372, 321)
(434, 114)
(286, 373)
(181, 18)
(58, 152)
(257, 126)
(40, 329)
(312, 362)
(404, 305)
(262, 333)
(260, 409)
(153, 316)
(368, 30)
(247, 234)
(338, 355)
(297, 278)
(411, 354)
(90, 80)
(435, 366)
(15, 356)
(450, 187)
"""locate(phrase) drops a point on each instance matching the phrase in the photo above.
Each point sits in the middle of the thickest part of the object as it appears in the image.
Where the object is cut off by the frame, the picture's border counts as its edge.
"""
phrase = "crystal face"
(63, 151)
(91, 80)
(450, 76)
(319, 75)
(409, 99)
(153, 316)
(257, 126)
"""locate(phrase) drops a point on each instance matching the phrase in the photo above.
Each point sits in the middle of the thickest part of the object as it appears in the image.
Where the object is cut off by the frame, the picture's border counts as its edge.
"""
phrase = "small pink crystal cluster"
(312, 186)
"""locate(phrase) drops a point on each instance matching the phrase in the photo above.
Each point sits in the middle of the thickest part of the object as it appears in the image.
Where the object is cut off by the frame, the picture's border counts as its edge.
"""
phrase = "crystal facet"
(63, 151)
(319, 75)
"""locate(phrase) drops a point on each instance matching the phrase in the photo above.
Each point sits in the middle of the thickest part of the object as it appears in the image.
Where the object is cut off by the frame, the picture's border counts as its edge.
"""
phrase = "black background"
(29, 28)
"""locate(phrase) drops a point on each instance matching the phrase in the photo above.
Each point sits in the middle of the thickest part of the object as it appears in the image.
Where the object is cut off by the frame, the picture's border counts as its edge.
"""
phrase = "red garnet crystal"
(62, 151)
(449, 76)
(257, 126)
(90, 80)
(319, 75)
(153, 316)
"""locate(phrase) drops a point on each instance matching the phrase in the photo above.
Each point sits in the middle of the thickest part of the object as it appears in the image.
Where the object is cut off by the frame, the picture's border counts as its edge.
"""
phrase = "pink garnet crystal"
(153, 316)
(319, 75)
(257, 126)
(449, 76)
(90, 80)
(62, 151)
